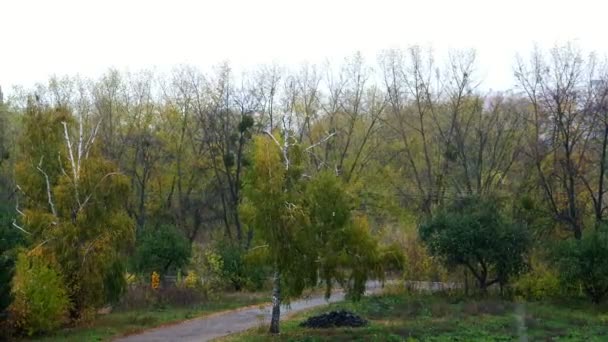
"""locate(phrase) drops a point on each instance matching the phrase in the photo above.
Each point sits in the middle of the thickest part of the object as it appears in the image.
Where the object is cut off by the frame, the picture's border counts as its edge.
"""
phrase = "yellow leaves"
(155, 281)
(268, 166)
(40, 297)
(192, 280)
(130, 278)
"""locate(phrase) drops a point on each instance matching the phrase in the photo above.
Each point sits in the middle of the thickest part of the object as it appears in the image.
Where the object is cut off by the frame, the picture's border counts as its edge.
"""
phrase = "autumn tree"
(72, 205)
(561, 101)
(303, 226)
(275, 210)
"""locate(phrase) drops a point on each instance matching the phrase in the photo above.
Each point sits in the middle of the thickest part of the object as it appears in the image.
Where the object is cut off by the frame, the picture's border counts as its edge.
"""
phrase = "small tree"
(307, 227)
(582, 263)
(473, 233)
(274, 209)
(162, 249)
(345, 249)
(73, 204)
(41, 299)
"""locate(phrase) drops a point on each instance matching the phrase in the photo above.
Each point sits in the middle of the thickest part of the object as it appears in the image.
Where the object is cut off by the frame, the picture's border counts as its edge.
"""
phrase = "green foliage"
(541, 282)
(273, 208)
(164, 249)
(473, 233)
(240, 268)
(582, 264)
(392, 257)
(363, 256)
(330, 214)
(420, 265)
(76, 210)
(10, 239)
(404, 317)
(309, 227)
(205, 271)
(41, 300)
(233, 266)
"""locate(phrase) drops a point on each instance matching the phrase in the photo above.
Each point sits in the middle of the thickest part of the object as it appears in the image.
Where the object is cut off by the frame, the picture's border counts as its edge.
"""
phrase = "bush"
(582, 264)
(232, 269)
(473, 233)
(208, 265)
(420, 265)
(10, 238)
(392, 257)
(142, 296)
(242, 269)
(541, 282)
(40, 297)
(257, 268)
(163, 250)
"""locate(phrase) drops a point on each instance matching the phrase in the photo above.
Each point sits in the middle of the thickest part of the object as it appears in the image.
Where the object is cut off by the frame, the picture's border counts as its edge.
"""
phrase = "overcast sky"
(41, 38)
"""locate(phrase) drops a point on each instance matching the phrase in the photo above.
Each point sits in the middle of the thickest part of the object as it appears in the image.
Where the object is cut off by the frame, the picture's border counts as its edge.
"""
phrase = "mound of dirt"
(334, 319)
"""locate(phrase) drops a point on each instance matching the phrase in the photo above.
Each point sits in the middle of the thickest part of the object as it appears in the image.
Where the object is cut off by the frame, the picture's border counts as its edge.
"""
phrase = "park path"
(217, 325)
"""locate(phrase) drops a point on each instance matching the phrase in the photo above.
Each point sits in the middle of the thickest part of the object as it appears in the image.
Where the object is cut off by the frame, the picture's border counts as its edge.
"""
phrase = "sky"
(86, 37)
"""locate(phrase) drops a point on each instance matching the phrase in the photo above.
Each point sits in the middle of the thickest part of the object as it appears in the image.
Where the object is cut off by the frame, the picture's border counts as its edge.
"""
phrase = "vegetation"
(40, 297)
(582, 264)
(144, 190)
(473, 234)
(402, 317)
(163, 250)
(125, 322)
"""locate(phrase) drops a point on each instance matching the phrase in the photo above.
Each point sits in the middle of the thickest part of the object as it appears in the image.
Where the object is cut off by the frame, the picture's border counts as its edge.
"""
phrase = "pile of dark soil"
(334, 319)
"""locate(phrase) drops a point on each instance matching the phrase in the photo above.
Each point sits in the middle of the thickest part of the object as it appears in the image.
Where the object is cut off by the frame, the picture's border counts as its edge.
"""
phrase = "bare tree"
(559, 143)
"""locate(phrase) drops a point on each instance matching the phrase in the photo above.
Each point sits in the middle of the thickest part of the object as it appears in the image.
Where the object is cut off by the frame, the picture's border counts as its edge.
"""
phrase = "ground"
(119, 323)
(403, 317)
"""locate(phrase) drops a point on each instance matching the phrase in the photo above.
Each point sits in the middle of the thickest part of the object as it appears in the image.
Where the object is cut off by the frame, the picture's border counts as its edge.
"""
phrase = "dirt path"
(218, 325)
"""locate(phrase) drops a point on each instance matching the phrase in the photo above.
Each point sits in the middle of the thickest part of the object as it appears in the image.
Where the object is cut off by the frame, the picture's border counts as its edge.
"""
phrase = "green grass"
(119, 323)
(402, 317)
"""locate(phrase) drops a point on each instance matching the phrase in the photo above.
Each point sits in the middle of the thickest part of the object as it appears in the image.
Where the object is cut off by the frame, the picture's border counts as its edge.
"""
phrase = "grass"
(106, 327)
(403, 317)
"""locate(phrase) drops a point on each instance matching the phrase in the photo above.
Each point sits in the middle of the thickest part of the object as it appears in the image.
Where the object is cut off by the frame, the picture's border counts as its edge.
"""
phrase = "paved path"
(218, 325)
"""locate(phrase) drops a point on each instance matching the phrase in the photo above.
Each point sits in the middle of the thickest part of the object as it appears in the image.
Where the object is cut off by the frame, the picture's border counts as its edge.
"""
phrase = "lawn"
(405, 317)
(119, 323)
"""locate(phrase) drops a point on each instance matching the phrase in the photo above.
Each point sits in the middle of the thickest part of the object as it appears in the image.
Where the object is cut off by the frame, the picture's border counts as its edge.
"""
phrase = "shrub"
(256, 266)
(242, 269)
(192, 281)
(40, 298)
(232, 267)
(163, 250)
(9, 239)
(473, 233)
(541, 282)
(582, 263)
(392, 257)
(420, 265)
(208, 265)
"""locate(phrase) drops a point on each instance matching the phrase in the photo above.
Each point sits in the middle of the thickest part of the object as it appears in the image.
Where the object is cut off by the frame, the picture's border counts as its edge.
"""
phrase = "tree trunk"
(276, 302)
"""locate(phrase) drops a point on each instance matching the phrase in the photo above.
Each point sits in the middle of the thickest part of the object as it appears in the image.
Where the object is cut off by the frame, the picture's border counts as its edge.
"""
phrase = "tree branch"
(48, 187)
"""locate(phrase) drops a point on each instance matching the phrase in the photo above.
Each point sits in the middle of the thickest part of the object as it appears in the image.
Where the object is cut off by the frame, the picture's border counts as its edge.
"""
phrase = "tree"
(73, 205)
(583, 263)
(162, 249)
(346, 251)
(41, 300)
(308, 228)
(473, 233)
(10, 239)
(274, 209)
(561, 101)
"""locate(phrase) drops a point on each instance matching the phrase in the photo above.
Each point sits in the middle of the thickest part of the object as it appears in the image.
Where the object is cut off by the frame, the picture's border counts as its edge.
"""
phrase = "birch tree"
(72, 205)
